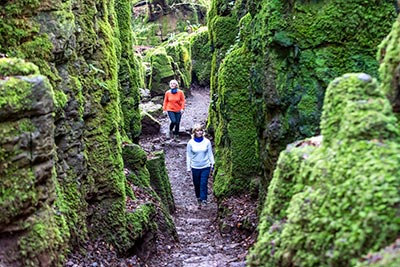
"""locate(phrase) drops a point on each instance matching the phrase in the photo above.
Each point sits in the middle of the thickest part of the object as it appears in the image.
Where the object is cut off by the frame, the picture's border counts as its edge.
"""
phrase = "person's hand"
(165, 112)
(182, 111)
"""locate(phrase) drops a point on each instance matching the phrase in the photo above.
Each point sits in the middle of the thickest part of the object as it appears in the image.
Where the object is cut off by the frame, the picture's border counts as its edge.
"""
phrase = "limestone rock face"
(28, 206)
(286, 53)
(61, 137)
(323, 187)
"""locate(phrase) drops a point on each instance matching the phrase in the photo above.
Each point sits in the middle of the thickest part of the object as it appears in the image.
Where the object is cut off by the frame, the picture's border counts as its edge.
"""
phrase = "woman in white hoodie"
(200, 161)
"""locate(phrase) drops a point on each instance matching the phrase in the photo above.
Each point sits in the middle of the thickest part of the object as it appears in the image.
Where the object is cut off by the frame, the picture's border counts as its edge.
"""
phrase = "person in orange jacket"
(174, 105)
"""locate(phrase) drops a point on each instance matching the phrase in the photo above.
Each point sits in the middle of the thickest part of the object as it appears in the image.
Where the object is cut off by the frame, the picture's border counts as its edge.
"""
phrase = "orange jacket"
(174, 102)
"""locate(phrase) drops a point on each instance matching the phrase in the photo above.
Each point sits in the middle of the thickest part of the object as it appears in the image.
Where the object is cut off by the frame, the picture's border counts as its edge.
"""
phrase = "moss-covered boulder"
(135, 160)
(179, 50)
(342, 196)
(161, 71)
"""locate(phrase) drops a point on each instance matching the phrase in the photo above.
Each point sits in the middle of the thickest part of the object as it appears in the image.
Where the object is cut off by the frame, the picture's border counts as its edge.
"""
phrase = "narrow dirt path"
(201, 244)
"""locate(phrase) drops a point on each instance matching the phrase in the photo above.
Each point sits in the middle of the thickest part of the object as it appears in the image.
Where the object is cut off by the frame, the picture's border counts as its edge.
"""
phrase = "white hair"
(197, 126)
(173, 82)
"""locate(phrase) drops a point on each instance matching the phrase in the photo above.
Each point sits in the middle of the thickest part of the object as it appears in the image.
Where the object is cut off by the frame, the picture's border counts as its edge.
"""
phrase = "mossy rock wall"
(388, 55)
(332, 203)
(131, 72)
(201, 57)
(83, 47)
(297, 48)
(235, 135)
(33, 228)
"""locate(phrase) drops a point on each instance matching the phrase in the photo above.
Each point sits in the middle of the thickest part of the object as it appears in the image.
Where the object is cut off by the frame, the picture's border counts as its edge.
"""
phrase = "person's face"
(198, 133)
(173, 85)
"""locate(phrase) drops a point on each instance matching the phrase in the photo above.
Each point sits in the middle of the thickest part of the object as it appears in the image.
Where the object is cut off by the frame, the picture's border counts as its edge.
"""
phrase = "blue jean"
(200, 181)
(175, 118)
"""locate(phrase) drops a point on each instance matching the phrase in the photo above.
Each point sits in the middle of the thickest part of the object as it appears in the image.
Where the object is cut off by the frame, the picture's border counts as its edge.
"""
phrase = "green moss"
(303, 223)
(180, 52)
(201, 55)
(15, 94)
(388, 54)
(44, 243)
(14, 26)
(61, 99)
(236, 148)
(362, 106)
(131, 73)
(71, 203)
(161, 68)
(17, 66)
(140, 220)
(135, 160)
(224, 31)
(160, 181)
(15, 195)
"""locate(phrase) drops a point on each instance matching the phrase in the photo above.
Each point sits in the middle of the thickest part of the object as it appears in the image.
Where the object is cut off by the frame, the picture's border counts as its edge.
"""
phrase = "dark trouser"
(175, 118)
(200, 181)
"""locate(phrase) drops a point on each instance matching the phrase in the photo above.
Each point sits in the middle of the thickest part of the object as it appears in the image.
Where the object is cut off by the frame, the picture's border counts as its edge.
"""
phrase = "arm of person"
(189, 155)
(183, 102)
(165, 103)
